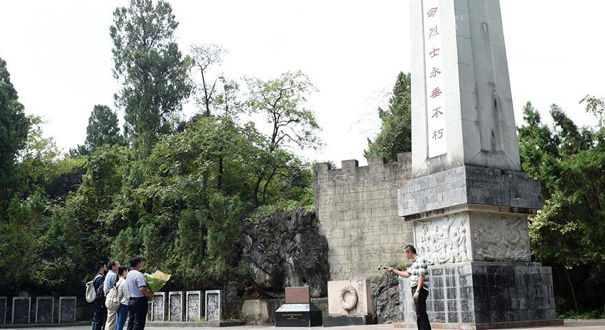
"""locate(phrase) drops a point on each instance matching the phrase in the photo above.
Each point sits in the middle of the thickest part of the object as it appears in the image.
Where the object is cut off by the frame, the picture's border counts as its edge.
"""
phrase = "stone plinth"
(21, 310)
(349, 297)
(194, 306)
(298, 315)
(67, 309)
(158, 307)
(3, 304)
(213, 305)
(298, 295)
(175, 306)
(485, 295)
(45, 308)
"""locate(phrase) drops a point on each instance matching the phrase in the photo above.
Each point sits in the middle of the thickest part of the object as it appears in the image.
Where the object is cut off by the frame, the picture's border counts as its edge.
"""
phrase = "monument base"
(346, 320)
(483, 295)
(462, 326)
(298, 315)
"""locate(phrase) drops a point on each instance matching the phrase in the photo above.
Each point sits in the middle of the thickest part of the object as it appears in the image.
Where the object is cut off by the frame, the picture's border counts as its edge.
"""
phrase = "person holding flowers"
(138, 293)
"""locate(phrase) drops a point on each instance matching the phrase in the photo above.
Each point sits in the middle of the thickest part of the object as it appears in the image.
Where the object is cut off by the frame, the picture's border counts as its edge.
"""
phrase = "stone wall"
(357, 211)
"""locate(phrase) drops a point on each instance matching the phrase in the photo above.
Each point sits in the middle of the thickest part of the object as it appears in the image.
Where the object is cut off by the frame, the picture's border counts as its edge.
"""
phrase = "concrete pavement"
(569, 324)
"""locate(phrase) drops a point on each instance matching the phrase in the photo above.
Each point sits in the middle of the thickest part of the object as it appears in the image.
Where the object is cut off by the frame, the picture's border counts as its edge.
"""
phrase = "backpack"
(91, 293)
(100, 294)
(112, 301)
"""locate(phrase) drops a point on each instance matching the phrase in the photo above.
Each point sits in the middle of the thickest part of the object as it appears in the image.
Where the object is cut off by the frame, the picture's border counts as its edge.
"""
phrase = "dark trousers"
(422, 319)
(137, 313)
(99, 313)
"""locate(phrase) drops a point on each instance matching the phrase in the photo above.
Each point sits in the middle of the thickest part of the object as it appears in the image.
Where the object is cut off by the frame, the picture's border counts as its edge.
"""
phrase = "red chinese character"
(437, 134)
(436, 92)
(434, 52)
(437, 112)
(435, 72)
(433, 32)
(432, 12)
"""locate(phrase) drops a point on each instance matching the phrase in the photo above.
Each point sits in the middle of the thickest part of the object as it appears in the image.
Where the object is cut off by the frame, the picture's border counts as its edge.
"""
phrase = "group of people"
(132, 292)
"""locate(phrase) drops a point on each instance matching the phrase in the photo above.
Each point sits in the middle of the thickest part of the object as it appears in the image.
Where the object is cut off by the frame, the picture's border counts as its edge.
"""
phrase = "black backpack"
(100, 293)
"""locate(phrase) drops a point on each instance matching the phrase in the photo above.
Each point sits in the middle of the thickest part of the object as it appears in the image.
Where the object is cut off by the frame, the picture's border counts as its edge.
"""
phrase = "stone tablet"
(3, 301)
(45, 309)
(194, 306)
(21, 309)
(349, 297)
(67, 309)
(158, 307)
(298, 295)
(175, 306)
(213, 305)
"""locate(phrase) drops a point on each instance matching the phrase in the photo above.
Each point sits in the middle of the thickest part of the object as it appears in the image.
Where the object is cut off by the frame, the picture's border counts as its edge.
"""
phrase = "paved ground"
(569, 324)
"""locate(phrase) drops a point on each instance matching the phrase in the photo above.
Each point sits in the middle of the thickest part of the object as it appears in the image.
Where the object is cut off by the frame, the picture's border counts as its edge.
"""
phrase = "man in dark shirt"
(98, 306)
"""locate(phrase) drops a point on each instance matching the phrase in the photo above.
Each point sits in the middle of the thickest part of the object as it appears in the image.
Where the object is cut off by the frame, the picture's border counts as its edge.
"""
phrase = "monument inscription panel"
(158, 307)
(45, 307)
(21, 310)
(67, 309)
(3, 301)
(194, 306)
(213, 305)
(175, 306)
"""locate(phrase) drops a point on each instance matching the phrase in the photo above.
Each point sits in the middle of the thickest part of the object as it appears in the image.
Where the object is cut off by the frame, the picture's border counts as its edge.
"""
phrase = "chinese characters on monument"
(435, 109)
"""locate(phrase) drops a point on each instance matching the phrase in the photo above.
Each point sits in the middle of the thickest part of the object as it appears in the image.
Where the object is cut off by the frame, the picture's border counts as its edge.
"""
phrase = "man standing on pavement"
(110, 282)
(419, 283)
(138, 293)
(98, 306)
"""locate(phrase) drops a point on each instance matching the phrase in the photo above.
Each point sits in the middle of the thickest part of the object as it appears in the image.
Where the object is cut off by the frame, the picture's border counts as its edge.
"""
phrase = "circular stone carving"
(348, 301)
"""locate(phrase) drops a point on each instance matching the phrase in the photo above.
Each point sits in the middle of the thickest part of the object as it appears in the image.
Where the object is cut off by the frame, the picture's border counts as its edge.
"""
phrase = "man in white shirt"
(110, 282)
(138, 293)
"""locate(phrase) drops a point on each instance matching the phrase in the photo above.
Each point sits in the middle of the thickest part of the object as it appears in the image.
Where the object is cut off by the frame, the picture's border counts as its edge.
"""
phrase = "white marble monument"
(468, 198)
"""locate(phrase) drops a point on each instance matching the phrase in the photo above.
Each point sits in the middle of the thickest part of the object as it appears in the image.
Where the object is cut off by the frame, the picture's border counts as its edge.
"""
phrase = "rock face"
(385, 296)
(286, 250)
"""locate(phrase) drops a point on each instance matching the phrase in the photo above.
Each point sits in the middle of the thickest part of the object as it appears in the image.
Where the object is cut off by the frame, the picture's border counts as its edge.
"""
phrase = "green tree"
(282, 102)
(395, 134)
(205, 56)
(102, 128)
(152, 70)
(568, 162)
(14, 127)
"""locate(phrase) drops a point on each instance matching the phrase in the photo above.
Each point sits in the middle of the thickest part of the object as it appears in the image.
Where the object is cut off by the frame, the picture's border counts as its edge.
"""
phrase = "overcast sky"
(59, 56)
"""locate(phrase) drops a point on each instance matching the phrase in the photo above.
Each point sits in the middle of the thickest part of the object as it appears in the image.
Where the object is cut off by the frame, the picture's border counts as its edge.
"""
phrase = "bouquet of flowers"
(156, 281)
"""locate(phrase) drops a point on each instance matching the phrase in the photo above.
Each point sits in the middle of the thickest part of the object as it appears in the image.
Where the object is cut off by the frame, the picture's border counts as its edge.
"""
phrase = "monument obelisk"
(468, 199)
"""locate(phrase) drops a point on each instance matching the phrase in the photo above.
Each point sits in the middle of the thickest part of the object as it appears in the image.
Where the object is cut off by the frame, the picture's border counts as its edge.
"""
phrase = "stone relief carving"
(500, 238)
(443, 240)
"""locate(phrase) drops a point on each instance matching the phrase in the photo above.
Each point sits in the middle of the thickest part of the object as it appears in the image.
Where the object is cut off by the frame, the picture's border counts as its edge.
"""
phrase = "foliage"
(569, 162)
(14, 126)
(395, 135)
(153, 72)
(102, 128)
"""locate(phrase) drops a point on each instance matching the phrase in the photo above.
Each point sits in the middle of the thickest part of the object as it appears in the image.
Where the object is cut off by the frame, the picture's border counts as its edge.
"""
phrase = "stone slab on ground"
(197, 325)
(348, 320)
(298, 315)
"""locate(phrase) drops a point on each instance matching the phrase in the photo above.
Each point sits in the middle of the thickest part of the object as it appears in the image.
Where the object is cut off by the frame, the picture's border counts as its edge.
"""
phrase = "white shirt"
(122, 291)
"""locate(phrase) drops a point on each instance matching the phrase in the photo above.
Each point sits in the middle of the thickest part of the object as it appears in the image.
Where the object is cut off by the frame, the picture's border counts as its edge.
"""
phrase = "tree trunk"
(256, 188)
(267, 182)
(573, 290)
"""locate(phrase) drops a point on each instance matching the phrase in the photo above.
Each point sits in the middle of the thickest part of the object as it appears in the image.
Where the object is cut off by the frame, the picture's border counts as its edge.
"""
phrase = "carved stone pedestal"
(470, 223)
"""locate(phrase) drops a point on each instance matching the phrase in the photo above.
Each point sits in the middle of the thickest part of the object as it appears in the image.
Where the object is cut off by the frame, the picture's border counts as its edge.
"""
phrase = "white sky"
(59, 56)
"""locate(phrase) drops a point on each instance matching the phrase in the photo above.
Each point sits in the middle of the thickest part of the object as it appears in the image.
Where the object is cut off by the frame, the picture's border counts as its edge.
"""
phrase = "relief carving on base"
(443, 240)
(500, 238)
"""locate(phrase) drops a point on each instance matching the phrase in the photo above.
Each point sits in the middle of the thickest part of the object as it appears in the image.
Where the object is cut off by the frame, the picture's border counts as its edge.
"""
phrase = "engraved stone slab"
(3, 301)
(349, 297)
(500, 237)
(444, 239)
(194, 306)
(213, 305)
(158, 307)
(298, 295)
(67, 309)
(45, 309)
(175, 306)
(21, 310)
